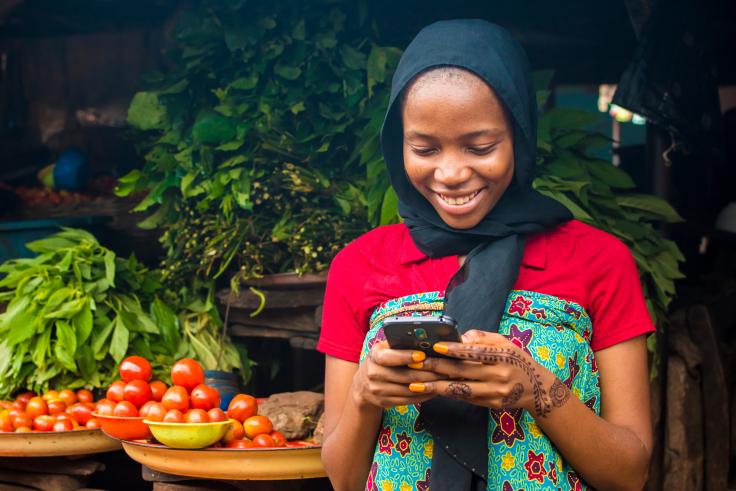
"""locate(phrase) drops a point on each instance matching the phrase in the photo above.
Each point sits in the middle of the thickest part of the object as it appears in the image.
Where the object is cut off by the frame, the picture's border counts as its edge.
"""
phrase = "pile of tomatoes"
(247, 428)
(64, 410)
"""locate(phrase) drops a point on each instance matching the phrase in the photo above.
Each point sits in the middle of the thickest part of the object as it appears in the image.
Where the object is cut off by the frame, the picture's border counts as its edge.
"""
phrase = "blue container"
(225, 382)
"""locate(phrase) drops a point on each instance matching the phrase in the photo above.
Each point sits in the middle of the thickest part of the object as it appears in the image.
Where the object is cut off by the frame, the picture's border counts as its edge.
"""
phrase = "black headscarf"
(477, 293)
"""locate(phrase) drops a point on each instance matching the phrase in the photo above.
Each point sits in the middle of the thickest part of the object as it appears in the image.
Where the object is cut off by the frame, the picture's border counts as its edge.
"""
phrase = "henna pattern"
(559, 393)
(516, 392)
(459, 390)
(486, 354)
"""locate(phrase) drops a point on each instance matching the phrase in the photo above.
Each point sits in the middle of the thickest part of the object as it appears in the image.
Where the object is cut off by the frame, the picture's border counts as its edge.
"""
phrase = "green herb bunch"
(75, 310)
(254, 144)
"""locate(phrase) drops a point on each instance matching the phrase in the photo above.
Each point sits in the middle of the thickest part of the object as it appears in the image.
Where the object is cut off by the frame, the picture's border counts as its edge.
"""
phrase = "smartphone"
(420, 333)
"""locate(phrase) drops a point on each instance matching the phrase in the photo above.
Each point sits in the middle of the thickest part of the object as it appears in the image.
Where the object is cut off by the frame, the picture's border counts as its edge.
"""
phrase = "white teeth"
(461, 200)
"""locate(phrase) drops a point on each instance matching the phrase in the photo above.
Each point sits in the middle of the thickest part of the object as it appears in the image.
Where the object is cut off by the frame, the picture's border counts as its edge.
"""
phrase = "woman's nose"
(452, 172)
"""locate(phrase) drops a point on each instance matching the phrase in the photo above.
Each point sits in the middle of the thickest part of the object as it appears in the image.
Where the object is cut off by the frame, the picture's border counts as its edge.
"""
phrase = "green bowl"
(188, 435)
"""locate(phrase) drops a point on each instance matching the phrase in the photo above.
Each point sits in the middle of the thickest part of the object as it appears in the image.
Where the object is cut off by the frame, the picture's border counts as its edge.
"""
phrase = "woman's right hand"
(383, 378)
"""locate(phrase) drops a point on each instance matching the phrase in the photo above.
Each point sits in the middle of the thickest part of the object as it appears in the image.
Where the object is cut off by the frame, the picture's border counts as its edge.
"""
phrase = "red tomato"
(116, 391)
(174, 416)
(257, 425)
(158, 389)
(36, 407)
(239, 444)
(63, 425)
(156, 412)
(138, 392)
(81, 413)
(216, 414)
(23, 429)
(125, 409)
(93, 423)
(52, 394)
(68, 396)
(263, 440)
(187, 373)
(242, 407)
(44, 422)
(5, 424)
(234, 431)
(176, 398)
(14, 413)
(83, 395)
(56, 406)
(279, 439)
(25, 397)
(135, 368)
(143, 410)
(67, 417)
(204, 397)
(105, 407)
(22, 420)
(196, 416)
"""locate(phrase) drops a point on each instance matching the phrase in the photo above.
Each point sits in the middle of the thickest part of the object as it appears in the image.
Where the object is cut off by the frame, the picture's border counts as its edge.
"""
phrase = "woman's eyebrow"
(494, 132)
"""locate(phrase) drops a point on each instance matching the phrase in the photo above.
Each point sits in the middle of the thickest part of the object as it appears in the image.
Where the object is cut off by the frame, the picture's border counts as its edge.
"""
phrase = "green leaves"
(211, 127)
(146, 112)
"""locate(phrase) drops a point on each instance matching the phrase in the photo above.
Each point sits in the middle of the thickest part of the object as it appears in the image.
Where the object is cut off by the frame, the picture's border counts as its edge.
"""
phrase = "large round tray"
(299, 461)
(56, 444)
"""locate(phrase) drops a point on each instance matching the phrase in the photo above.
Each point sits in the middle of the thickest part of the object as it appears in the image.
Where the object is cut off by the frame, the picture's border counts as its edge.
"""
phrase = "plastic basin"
(124, 428)
(188, 435)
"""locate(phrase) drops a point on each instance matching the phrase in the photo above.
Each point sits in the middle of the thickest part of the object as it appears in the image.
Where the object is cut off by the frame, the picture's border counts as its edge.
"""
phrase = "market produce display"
(64, 410)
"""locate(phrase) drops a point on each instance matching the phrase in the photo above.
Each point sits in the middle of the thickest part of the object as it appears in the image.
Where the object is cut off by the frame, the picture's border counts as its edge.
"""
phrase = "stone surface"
(295, 414)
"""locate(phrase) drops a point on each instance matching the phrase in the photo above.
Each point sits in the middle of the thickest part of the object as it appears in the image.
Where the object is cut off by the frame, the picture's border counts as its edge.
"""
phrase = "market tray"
(299, 460)
(56, 443)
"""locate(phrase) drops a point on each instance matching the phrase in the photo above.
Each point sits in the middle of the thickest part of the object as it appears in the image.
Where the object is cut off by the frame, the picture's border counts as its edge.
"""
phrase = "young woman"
(548, 389)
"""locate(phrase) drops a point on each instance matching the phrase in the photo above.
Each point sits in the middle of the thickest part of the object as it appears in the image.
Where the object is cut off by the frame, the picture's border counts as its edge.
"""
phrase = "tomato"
(14, 413)
(116, 391)
(25, 397)
(176, 398)
(44, 422)
(83, 395)
(135, 368)
(81, 413)
(125, 409)
(156, 412)
(158, 389)
(257, 425)
(196, 416)
(63, 425)
(5, 424)
(234, 431)
(239, 444)
(93, 423)
(216, 414)
(242, 407)
(278, 438)
(22, 420)
(187, 373)
(105, 407)
(138, 392)
(67, 417)
(23, 429)
(174, 416)
(263, 440)
(56, 406)
(52, 394)
(68, 396)
(143, 410)
(36, 407)
(204, 397)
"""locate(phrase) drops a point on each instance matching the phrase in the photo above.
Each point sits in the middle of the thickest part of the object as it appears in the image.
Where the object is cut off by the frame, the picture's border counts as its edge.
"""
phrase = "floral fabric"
(556, 333)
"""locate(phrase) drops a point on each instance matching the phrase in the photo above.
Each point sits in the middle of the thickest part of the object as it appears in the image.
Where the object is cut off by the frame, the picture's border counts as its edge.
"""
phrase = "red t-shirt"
(573, 261)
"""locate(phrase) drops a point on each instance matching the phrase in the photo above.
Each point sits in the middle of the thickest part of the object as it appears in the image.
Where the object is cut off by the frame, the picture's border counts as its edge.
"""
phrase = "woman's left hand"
(491, 371)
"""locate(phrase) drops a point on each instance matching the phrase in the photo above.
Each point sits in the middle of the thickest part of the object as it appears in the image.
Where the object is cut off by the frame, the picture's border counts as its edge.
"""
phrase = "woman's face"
(458, 145)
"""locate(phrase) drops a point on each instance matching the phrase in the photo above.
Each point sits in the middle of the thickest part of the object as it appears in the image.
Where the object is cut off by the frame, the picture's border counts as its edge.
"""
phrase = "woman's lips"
(458, 204)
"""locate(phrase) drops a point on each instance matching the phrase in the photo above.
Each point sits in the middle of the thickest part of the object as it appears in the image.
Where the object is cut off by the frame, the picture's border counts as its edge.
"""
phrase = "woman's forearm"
(347, 452)
(607, 456)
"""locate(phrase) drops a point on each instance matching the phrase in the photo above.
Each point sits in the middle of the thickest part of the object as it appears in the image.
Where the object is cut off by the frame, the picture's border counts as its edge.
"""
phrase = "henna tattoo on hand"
(459, 390)
(491, 355)
(516, 392)
(559, 393)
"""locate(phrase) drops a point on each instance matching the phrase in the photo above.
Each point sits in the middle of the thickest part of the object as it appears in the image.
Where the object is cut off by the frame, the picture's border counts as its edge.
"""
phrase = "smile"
(458, 200)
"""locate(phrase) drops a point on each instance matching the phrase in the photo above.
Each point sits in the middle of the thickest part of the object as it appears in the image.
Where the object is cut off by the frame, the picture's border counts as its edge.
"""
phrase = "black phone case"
(420, 333)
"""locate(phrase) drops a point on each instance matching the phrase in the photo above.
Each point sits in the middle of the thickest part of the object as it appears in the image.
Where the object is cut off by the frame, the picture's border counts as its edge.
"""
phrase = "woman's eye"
(423, 151)
(482, 150)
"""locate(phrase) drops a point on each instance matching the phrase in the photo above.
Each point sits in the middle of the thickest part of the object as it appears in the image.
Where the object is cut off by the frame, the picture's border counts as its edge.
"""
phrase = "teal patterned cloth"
(556, 333)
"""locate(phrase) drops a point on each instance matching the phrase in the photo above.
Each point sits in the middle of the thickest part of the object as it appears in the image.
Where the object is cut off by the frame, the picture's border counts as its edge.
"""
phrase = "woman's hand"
(383, 378)
(493, 372)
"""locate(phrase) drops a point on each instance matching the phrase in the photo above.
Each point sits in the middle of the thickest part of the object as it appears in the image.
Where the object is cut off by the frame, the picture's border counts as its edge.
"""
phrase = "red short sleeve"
(616, 303)
(343, 327)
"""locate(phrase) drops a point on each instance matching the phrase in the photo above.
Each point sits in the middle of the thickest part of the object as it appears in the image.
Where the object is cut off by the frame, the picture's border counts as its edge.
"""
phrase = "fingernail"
(441, 348)
(416, 387)
(416, 365)
(418, 356)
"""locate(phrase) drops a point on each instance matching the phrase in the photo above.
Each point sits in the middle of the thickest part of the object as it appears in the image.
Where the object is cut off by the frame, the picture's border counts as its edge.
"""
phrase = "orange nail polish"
(441, 348)
(416, 365)
(417, 387)
(418, 356)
